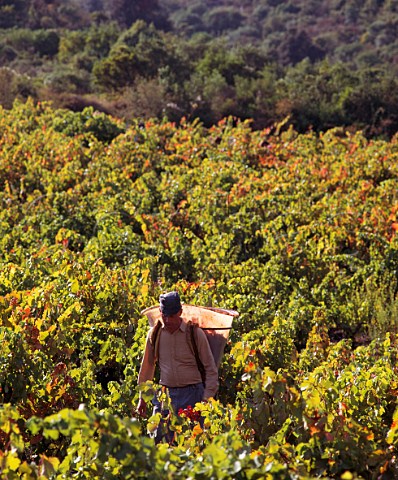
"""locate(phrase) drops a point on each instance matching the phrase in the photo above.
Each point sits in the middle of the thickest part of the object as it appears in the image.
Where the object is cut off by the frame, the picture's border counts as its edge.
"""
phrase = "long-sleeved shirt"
(177, 362)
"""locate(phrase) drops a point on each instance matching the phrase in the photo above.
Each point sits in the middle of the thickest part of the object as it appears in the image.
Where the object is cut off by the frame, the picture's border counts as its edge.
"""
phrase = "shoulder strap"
(154, 338)
(192, 333)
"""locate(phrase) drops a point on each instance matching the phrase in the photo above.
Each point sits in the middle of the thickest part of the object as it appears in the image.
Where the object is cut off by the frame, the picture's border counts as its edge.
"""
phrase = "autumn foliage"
(296, 232)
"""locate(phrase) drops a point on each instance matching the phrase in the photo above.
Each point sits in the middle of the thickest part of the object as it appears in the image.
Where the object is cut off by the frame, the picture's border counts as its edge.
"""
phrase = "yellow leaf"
(54, 461)
(12, 461)
(197, 430)
(74, 286)
(46, 333)
(347, 476)
(145, 274)
(25, 468)
(60, 392)
(48, 465)
(144, 290)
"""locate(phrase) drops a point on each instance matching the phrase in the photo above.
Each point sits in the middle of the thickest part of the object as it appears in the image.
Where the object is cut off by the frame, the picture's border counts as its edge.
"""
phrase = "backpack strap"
(154, 338)
(192, 332)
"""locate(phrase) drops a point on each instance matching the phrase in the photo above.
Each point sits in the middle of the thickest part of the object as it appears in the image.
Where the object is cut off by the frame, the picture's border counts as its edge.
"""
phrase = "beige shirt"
(177, 361)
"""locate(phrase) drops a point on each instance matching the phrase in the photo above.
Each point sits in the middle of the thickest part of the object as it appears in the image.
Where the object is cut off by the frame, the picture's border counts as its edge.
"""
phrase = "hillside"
(342, 30)
(296, 232)
(321, 64)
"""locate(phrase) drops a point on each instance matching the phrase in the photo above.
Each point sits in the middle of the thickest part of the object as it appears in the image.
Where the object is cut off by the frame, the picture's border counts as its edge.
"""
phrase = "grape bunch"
(190, 413)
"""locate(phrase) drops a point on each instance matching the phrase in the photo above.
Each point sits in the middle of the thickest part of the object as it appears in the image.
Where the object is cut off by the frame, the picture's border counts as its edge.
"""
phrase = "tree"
(220, 19)
(117, 70)
(141, 50)
(314, 95)
(373, 104)
(296, 47)
(14, 86)
(13, 13)
(56, 13)
(126, 12)
(47, 42)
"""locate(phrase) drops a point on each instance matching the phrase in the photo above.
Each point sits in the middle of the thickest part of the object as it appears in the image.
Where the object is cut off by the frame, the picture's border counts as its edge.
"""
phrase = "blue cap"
(170, 303)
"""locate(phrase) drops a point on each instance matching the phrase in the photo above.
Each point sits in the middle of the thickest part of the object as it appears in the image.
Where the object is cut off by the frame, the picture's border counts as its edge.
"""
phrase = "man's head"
(170, 303)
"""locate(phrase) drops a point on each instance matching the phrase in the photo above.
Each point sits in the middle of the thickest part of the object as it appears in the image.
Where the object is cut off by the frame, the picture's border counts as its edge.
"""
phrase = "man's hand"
(141, 407)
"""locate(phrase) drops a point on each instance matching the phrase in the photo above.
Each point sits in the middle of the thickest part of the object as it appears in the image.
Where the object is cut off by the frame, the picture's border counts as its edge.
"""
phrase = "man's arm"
(209, 364)
(146, 373)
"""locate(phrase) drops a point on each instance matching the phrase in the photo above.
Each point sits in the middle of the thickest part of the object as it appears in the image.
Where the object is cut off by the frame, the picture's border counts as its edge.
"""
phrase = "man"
(172, 349)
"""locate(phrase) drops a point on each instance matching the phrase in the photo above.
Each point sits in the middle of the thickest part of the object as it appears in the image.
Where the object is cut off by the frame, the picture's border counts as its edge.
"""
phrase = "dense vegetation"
(298, 232)
(263, 196)
(321, 63)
